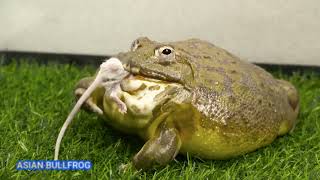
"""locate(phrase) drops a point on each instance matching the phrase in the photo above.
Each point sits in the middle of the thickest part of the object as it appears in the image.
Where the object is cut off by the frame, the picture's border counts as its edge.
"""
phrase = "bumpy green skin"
(224, 108)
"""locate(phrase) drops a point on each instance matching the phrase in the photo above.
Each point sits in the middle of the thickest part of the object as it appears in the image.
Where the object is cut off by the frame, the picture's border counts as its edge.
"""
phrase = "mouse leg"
(114, 96)
(92, 101)
(159, 150)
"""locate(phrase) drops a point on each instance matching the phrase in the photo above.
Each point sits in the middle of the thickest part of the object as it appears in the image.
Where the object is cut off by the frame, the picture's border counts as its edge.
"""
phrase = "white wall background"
(274, 31)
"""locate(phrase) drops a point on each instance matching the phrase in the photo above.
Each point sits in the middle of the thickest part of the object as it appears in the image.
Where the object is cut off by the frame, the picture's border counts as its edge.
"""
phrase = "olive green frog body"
(194, 97)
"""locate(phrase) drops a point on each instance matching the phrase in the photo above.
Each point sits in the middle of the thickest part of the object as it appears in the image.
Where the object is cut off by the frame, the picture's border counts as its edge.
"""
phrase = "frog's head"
(158, 72)
(162, 61)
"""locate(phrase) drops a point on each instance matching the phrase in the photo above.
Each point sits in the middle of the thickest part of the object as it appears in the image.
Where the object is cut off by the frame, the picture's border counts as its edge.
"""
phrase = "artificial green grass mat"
(36, 99)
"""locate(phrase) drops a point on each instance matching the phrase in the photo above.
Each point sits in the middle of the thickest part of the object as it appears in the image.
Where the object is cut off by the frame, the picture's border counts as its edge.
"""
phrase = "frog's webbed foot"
(293, 96)
(289, 124)
(81, 87)
(159, 150)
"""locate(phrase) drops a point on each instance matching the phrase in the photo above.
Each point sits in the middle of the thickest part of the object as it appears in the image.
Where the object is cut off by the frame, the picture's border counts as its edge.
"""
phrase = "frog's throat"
(141, 96)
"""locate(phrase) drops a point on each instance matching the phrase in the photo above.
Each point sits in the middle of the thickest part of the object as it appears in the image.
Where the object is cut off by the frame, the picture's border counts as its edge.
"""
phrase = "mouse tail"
(72, 114)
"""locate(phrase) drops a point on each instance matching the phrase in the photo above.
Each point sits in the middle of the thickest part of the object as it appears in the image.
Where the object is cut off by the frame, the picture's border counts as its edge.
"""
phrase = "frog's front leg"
(92, 101)
(159, 150)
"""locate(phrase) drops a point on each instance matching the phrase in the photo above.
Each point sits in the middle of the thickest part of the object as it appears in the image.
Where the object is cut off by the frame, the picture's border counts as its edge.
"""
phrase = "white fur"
(110, 75)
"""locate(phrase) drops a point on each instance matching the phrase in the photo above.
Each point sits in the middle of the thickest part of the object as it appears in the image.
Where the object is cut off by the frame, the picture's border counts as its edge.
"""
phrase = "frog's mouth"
(152, 73)
(145, 89)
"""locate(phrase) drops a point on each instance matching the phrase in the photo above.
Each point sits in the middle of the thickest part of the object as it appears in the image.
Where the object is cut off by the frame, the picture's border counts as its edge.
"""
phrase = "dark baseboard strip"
(45, 58)
(289, 68)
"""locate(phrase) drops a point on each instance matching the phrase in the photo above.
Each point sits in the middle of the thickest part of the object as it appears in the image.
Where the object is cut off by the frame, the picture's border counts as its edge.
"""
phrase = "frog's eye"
(135, 45)
(165, 53)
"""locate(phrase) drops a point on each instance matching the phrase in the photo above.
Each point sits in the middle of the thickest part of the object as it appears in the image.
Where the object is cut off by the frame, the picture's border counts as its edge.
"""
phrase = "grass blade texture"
(36, 99)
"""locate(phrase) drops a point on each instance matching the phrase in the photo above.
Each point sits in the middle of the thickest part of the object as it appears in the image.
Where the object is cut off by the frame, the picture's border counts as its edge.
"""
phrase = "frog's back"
(240, 106)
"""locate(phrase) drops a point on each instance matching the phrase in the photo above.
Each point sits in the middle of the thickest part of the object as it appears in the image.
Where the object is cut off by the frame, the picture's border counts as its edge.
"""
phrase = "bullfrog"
(193, 97)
